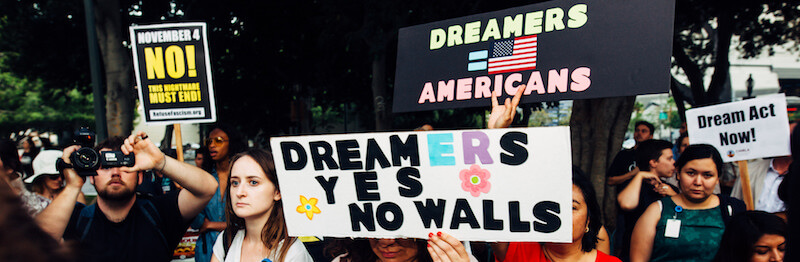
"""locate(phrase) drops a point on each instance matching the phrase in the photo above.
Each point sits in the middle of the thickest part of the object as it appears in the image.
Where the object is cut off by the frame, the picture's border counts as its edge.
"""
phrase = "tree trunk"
(117, 64)
(598, 127)
(382, 116)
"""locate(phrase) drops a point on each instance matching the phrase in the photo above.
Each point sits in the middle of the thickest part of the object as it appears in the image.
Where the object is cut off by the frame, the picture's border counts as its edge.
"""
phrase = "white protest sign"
(509, 184)
(749, 129)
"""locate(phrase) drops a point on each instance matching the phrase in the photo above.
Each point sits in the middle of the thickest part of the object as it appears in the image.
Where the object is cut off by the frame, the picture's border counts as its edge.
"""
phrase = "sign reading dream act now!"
(173, 73)
(743, 130)
(561, 49)
(509, 184)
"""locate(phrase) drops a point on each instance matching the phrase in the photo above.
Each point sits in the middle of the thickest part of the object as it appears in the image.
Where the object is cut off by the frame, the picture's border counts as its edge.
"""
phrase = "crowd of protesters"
(669, 199)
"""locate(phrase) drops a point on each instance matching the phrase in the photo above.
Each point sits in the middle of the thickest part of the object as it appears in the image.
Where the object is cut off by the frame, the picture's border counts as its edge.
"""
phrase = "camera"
(86, 160)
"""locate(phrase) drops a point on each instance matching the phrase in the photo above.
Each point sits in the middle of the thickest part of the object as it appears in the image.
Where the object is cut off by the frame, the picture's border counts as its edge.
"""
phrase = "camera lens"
(85, 158)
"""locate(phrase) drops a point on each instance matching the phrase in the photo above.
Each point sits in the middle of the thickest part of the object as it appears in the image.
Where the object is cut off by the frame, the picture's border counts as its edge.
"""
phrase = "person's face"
(218, 144)
(53, 182)
(698, 178)
(642, 133)
(198, 159)
(26, 145)
(114, 184)
(683, 145)
(664, 166)
(769, 248)
(394, 249)
(580, 214)
(252, 194)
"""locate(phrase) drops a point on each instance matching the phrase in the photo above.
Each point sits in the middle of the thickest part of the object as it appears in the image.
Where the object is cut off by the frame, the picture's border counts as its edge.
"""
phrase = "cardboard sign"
(560, 49)
(749, 129)
(492, 185)
(173, 73)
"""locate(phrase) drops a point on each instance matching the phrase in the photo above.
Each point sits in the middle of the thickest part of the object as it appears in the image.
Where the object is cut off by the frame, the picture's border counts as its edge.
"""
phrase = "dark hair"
(22, 239)
(359, 250)
(650, 150)
(680, 140)
(743, 231)
(10, 156)
(275, 229)
(645, 123)
(699, 151)
(114, 143)
(203, 150)
(583, 183)
(236, 143)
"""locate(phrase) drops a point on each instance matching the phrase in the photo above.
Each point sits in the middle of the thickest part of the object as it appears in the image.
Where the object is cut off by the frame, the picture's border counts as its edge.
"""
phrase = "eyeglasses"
(215, 140)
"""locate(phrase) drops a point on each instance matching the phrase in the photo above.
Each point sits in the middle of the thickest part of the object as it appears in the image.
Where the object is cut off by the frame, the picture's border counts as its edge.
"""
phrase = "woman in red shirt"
(585, 228)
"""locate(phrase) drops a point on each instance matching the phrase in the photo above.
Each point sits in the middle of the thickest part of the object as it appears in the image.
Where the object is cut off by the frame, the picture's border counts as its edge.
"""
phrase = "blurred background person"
(11, 173)
(46, 180)
(29, 152)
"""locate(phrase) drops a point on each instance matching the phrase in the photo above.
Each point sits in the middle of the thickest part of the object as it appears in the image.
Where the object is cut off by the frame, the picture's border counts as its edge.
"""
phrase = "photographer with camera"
(122, 226)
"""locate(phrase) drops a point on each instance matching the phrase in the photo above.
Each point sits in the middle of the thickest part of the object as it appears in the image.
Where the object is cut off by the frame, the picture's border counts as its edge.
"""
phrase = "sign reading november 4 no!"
(173, 73)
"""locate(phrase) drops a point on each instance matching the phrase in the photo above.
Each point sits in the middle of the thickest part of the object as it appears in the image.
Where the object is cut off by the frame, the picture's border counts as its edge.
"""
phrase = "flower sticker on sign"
(475, 180)
(308, 206)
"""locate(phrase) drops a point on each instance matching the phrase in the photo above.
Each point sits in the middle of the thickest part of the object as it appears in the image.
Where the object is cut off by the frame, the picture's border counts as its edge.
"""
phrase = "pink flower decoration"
(475, 180)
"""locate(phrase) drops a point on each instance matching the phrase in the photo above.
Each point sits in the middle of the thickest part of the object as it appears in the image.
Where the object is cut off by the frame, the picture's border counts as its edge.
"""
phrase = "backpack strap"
(85, 220)
(151, 215)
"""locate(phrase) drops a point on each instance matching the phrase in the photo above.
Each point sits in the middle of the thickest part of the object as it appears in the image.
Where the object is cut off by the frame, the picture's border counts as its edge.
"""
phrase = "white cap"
(44, 164)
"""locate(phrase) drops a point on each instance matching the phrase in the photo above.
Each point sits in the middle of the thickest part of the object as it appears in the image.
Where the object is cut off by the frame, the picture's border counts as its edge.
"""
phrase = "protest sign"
(560, 49)
(749, 129)
(497, 184)
(173, 73)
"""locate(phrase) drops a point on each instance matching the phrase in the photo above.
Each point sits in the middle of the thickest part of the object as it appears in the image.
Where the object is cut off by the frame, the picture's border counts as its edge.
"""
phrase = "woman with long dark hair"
(255, 228)
(586, 226)
(222, 144)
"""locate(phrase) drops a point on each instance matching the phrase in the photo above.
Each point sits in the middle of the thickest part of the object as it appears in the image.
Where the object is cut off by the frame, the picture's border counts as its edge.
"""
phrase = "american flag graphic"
(512, 55)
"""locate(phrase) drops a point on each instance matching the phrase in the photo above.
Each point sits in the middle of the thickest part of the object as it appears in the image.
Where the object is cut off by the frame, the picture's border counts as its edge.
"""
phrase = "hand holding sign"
(502, 116)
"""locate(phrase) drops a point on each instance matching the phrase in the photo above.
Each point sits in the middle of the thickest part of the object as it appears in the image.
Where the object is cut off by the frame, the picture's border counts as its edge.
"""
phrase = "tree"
(704, 31)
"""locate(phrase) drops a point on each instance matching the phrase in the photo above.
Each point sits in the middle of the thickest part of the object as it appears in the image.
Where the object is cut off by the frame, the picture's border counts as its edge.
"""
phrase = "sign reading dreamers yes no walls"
(500, 184)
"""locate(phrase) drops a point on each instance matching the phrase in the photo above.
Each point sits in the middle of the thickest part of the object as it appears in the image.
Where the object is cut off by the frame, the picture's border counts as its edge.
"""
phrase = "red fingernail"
(430, 235)
(439, 233)
(429, 245)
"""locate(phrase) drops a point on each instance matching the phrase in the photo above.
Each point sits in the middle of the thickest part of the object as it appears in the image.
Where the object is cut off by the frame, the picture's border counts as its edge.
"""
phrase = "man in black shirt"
(623, 167)
(654, 158)
(122, 226)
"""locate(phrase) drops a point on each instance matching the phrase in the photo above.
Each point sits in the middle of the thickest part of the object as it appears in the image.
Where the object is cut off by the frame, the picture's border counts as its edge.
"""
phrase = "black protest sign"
(559, 49)
(173, 73)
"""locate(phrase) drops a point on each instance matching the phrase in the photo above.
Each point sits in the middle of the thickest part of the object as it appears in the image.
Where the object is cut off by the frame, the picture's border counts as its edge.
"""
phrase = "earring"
(587, 230)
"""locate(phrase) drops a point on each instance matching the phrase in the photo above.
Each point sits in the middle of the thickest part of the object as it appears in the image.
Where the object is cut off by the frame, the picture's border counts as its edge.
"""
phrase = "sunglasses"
(54, 176)
(215, 140)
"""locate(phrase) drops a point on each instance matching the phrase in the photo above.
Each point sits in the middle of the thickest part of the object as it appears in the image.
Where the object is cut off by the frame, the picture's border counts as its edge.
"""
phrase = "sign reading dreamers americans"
(560, 49)
(510, 184)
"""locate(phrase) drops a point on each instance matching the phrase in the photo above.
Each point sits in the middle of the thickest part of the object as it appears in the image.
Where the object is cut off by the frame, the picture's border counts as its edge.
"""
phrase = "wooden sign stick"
(747, 193)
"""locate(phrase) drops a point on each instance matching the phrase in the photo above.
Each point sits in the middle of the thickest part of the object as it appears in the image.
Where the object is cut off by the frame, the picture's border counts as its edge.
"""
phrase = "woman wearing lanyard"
(687, 226)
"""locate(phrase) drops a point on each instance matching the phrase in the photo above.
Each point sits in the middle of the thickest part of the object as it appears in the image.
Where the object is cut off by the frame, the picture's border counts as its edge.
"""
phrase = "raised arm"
(644, 232)
(628, 198)
(55, 217)
(198, 185)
